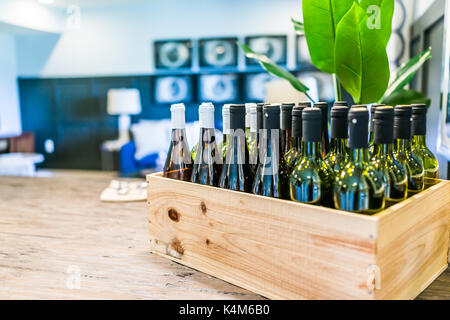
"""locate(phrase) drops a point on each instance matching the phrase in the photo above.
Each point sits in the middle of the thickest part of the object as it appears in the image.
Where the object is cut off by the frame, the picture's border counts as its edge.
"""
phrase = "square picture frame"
(172, 54)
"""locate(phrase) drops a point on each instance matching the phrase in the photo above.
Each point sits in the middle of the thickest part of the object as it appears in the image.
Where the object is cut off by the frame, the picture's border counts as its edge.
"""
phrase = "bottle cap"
(237, 116)
(226, 118)
(247, 113)
(323, 106)
(339, 123)
(286, 116)
(259, 119)
(340, 103)
(305, 104)
(297, 120)
(402, 122)
(312, 124)
(178, 120)
(419, 119)
(372, 113)
(359, 106)
(206, 115)
(253, 115)
(383, 120)
(358, 119)
(271, 116)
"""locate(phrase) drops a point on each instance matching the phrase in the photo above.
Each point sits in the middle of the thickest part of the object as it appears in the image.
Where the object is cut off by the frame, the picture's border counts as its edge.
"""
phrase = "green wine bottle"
(286, 127)
(271, 178)
(325, 139)
(294, 155)
(419, 147)
(226, 130)
(208, 162)
(237, 173)
(403, 149)
(359, 187)
(311, 181)
(373, 108)
(394, 174)
(338, 155)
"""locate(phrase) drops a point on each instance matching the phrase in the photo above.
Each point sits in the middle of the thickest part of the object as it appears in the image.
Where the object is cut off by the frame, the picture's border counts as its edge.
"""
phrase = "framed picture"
(274, 47)
(173, 89)
(173, 54)
(255, 86)
(302, 57)
(218, 87)
(218, 52)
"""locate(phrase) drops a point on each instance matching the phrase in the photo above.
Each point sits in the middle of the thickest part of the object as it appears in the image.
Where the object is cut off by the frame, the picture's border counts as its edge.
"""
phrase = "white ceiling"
(91, 3)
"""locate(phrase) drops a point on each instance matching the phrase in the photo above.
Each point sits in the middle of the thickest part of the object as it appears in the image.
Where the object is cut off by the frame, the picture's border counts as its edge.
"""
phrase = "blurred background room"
(88, 84)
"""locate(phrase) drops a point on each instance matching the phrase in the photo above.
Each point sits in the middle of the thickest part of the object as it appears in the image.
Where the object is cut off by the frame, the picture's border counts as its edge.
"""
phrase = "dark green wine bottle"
(394, 174)
(373, 108)
(294, 155)
(311, 180)
(324, 139)
(359, 187)
(271, 178)
(286, 127)
(338, 155)
(208, 161)
(419, 147)
(403, 149)
(236, 172)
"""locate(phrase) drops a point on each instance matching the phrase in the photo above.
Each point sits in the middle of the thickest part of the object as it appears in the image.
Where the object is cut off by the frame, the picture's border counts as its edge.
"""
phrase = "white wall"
(10, 124)
(117, 40)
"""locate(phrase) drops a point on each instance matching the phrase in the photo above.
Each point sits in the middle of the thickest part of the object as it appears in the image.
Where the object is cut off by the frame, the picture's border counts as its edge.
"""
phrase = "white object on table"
(19, 164)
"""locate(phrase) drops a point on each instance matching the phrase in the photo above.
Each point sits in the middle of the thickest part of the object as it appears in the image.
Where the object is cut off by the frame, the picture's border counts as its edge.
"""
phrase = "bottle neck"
(403, 144)
(286, 138)
(312, 149)
(297, 143)
(420, 141)
(359, 155)
(383, 150)
(338, 145)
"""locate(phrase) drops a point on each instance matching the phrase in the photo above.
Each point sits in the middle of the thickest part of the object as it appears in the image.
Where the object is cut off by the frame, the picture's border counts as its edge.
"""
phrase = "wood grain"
(286, 250)
(49, 226)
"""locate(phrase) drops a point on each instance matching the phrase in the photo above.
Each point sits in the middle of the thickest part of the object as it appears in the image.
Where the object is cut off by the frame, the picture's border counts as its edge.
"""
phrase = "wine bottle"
(253, 141)
(286, 127)
(325, 139)
(236, 172)
(249, 134)
(338, 155)
(226, 130)
(372, 125)
(419, 147)
(208, 162)
(271, 178)
(359, 187)
(403, 149)
(394, 174)
(294, 155)
(178, 163)
(311, 180)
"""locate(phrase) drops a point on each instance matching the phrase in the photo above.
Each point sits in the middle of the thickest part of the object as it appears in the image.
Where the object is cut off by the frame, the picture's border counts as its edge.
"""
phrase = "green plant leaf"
(380, 14)
(320, 19)
(406, 72)
(403, 96)
(298, 26)
(362, 64)
(275, 69)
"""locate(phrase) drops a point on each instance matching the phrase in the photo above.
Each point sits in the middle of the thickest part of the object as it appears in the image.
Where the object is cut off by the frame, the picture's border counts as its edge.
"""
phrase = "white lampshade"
(124, 101)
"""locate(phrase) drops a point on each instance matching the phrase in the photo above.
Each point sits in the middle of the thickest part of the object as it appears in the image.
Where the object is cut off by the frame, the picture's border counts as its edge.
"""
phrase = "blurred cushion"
(150, 137)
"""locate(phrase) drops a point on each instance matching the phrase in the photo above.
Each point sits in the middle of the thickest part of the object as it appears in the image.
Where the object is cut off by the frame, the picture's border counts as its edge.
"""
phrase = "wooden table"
(58, 241)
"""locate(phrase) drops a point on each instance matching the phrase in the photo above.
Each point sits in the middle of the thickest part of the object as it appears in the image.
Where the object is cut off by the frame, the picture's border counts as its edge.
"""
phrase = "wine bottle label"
(206, 115)
(178, 120)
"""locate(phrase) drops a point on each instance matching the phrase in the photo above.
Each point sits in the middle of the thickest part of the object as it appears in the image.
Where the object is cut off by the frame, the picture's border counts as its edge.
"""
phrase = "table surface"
(58, 241)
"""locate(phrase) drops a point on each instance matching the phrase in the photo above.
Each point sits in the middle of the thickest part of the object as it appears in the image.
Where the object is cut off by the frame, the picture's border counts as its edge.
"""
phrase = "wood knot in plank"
(175, 249)
(203, 207)
(173, 215)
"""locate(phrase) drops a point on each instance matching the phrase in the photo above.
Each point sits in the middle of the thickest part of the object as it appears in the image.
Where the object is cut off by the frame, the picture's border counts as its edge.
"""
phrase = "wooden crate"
(287, 250)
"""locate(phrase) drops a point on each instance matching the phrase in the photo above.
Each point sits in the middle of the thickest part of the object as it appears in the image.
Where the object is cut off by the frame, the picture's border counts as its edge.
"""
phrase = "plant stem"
(309, 97)
(337, 88)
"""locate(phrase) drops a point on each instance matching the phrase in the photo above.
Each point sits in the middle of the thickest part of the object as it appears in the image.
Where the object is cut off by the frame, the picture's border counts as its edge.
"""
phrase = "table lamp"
(124, 102)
